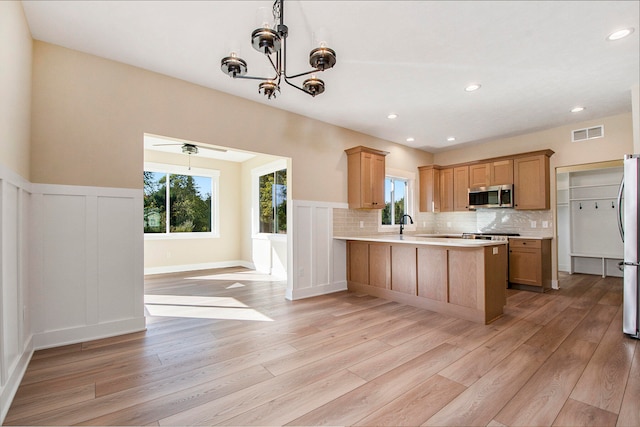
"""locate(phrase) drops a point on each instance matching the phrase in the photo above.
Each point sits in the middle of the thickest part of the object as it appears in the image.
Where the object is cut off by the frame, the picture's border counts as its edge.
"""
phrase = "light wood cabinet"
(479, 175)
(461, 188)
(501, 172)
(446, 190)
(531, 182)
(429, 188)
(366, 173)
(530, 263)
(469, 283)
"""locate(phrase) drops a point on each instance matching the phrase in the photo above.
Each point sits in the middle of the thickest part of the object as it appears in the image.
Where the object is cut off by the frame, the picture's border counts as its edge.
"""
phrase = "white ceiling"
(535, 60)
(174, 146)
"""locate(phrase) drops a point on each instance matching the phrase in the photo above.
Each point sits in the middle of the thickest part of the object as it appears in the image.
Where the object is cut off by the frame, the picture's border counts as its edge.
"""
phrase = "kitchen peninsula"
(458, 277)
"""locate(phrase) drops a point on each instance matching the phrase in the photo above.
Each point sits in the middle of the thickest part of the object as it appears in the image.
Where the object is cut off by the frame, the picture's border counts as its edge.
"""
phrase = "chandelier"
(271, 40)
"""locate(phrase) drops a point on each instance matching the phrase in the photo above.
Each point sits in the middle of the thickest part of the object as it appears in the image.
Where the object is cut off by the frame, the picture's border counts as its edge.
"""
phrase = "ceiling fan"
(191, 149)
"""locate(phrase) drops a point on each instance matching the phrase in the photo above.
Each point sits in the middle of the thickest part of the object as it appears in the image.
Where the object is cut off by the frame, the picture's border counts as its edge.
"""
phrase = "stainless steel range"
(503, 237)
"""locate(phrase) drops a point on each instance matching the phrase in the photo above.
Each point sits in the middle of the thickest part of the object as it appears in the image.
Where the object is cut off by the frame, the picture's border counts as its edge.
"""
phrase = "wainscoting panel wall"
(316, 267)
(15, 332)
(88, 265)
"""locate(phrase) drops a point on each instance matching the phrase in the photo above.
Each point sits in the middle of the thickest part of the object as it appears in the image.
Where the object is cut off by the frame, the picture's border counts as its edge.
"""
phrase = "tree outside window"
(395, 200)
(273, 202)
(186, 199)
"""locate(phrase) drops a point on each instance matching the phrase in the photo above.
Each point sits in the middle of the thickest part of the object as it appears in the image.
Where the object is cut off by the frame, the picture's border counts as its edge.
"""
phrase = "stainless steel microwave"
(496, 196)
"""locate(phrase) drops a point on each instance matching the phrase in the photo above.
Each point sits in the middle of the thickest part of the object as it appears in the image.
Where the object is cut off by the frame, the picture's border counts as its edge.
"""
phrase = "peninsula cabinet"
(366, 173)
(531, 182)
(429, 188)
(462, 281)
(530, 264)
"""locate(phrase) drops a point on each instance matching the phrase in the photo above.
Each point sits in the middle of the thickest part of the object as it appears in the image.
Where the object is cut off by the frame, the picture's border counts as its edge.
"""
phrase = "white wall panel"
(315, 251)
(64, 262)
(88, 271)
(15, 332)
(117, 231)
(11, 284)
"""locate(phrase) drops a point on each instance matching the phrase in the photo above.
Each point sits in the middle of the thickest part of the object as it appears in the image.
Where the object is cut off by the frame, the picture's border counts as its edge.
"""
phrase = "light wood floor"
(558, 358)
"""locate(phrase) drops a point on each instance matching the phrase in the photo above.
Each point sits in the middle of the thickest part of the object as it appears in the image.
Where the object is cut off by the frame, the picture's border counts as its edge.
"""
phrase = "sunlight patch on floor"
(198, 307)
(235, 285)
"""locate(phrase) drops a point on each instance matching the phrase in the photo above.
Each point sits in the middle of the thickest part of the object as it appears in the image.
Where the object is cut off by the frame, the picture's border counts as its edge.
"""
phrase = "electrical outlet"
(424, 224)
(448, 224)
(534, 224)
(545, 224)
(301, 272)
(495, 250)
(361, 224)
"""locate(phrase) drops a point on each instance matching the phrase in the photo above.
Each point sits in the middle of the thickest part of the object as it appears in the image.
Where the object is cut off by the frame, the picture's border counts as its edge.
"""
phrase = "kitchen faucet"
(403, 221)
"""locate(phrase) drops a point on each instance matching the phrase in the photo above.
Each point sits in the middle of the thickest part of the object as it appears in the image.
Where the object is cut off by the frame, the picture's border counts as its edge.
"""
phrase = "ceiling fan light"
(189, 149)
(269, 88)
(313, 86)
(322, 58)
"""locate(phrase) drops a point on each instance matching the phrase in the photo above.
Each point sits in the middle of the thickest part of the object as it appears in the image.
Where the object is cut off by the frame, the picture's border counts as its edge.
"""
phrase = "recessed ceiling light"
(451, 138)
(392, 116)
(472, 87)
(620, 34)
(410, 139)
(577, 109)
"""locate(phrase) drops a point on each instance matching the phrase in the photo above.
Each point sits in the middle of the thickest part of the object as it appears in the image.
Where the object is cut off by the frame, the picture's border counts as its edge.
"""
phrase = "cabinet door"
(377, 181)
(380, 265)
(525, 266)
(358, 262)
(461, 188)
(433, 278)
(446, 190)
(501, 172)
(404, 269)
(531, 182)
(479, 175)
(429, 189)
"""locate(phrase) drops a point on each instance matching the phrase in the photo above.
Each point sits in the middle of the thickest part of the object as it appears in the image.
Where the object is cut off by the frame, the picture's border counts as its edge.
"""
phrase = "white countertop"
(419, 240)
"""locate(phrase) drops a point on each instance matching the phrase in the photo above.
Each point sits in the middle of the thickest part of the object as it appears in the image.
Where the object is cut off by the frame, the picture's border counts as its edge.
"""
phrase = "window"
(398, 198)
(179, 203)
(273, 202)
(270, 198)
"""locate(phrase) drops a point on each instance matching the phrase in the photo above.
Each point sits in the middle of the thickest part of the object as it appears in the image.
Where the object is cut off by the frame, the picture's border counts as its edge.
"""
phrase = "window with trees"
(178, 202)
(272, 193)
(395, 200)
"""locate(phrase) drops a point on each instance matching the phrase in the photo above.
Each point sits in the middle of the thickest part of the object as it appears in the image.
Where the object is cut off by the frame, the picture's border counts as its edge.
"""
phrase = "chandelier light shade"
(271, 40)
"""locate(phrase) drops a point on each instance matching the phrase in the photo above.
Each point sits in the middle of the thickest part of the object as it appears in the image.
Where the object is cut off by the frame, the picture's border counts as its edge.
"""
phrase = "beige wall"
(15, 88)
(617, 141)
(89, 116)
(184, 251)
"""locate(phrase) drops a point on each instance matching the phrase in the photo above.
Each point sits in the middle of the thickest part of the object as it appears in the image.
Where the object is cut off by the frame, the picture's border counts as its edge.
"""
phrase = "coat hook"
(612, 206)
(580, 205)
(596, 205)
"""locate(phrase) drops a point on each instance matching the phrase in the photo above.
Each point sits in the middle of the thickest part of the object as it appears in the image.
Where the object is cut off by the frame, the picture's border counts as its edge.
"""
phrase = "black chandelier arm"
(297, 87)
(303, 74)
(237, 76)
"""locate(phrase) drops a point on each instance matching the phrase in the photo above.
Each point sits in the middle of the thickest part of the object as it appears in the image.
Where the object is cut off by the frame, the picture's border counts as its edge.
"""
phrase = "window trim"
(256, 173)
(214, 174)
(410, 177)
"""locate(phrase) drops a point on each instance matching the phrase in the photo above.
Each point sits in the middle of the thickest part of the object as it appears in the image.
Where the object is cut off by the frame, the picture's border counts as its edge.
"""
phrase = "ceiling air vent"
(589, 133)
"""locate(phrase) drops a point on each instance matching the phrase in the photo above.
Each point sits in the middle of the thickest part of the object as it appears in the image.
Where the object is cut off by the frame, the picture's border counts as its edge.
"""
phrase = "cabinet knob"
(524, 243)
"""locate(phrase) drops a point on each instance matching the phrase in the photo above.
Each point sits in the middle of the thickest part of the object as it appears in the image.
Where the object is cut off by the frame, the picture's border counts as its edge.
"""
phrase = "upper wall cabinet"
(531, 182)
(429, 188)
(501, 172)
(528, 172)
(366, 172)
(461, 188)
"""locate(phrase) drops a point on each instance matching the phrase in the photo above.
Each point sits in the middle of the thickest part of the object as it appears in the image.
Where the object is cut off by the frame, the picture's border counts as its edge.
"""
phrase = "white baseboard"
(315, 291)
(193, 267)
(87, 333)
(14, 379)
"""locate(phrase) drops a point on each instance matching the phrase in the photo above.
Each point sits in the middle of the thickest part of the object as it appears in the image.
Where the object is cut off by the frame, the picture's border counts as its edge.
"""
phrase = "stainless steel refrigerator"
(628, 224)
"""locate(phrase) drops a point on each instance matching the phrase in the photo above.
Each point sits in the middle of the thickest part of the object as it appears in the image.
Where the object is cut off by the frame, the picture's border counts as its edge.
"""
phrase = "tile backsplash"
(347, 222)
